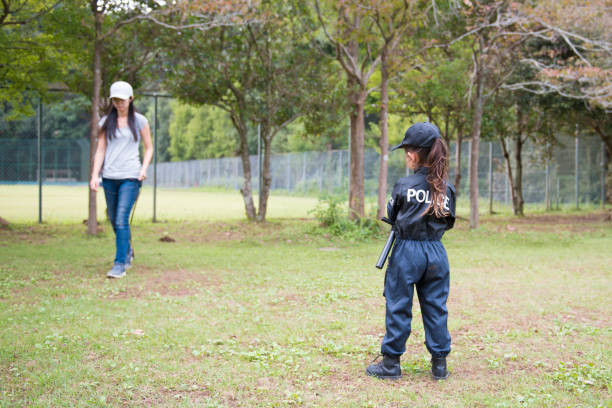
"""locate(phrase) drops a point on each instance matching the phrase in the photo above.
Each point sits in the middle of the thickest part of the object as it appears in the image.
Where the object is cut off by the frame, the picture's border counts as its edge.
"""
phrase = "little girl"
(422, 207)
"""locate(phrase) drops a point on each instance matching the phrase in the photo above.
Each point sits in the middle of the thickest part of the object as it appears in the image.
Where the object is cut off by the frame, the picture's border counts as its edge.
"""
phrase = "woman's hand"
(143, 174)
(94, 183)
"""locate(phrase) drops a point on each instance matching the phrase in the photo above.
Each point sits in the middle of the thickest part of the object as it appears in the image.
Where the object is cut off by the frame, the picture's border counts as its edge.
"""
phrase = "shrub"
(332, 214)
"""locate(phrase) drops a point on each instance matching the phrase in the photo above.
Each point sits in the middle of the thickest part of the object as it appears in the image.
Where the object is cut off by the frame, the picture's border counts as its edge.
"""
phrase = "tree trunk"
(502, 142)
(458, 159)
(267, 178)
(517, 198)
(357, 97)
(476, 123)
(247, 188)
(92, 219)
(446, 128)
(384, 139)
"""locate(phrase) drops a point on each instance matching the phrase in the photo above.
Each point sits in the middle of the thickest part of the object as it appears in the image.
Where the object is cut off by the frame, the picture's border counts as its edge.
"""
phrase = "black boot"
(388, 368)
(438, 368)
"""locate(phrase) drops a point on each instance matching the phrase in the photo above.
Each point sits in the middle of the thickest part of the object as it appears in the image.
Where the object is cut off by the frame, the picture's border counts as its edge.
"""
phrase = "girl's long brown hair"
(436, 158)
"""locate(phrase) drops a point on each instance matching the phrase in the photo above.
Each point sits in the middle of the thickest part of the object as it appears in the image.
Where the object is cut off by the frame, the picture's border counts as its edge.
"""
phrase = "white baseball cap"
(121, 90)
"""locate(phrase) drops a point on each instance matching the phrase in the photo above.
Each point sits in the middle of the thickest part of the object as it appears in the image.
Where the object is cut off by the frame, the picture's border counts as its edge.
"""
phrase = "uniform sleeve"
(393, 205)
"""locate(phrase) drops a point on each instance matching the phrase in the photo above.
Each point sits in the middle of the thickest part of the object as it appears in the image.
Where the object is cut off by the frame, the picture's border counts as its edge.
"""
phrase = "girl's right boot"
(388, 368)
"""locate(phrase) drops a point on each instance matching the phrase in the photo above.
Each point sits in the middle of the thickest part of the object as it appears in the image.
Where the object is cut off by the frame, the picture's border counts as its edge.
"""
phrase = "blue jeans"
(120, 198)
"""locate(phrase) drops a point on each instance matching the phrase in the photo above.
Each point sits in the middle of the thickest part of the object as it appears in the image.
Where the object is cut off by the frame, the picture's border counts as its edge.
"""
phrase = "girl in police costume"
(117, 155)
(422, 207)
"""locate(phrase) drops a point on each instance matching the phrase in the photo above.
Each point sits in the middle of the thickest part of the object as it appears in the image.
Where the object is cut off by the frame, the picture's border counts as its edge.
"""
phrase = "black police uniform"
(418, 259)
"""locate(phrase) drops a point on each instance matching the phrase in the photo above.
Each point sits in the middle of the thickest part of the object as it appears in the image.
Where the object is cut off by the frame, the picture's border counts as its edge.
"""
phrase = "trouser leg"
(404, 265)
(127, 195)
(111, 193)
(433, 291)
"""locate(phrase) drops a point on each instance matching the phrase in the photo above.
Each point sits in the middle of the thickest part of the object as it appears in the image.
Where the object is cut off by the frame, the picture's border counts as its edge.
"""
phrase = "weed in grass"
(578, 378)
(332, 216)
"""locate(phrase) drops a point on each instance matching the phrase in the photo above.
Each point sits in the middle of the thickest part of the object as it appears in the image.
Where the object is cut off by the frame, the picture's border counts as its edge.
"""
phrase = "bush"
(332, 214)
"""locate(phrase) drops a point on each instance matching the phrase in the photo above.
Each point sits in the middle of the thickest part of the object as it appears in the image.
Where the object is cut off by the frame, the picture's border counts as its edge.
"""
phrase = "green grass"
(239, 314)
(19, 203)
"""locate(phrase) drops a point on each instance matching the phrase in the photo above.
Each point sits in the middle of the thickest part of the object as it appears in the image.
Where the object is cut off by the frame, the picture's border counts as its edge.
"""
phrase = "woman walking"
(117, 156)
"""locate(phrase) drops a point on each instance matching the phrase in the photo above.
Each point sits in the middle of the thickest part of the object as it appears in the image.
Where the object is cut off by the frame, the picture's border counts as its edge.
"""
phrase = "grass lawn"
(235, 314)
(19, 203)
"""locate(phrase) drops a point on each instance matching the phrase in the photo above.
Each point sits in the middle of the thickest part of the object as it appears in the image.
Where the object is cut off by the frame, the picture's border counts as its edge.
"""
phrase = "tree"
(573, 57)
(264, 72)
(437, 88)
(358, 52)
(491, 27)
(199, 132)
(393, 19)
(109, 44)
(28, 60)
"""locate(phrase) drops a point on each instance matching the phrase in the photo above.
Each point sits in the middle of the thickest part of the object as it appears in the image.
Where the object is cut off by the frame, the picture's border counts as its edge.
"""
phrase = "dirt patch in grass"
(170, 283)
(35, 234)
(206, 232)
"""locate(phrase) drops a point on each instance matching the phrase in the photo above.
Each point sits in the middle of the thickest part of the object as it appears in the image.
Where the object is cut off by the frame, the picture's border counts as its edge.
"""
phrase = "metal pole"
(490, 177)
(603, 175)
(259, 158)
(40, 169)
(576, 187)
(547, 188)
(156, 125)
(558, 189)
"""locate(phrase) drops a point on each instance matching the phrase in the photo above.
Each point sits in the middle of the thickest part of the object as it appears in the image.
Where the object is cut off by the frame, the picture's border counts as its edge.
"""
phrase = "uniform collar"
(422, 170)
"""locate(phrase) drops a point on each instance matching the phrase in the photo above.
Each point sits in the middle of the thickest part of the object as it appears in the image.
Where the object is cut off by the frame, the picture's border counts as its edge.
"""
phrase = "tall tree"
(28, 60)
(393, 19)
(110, 44)
(491, 27)
(358, 51)
(264, 72)
(437, 88)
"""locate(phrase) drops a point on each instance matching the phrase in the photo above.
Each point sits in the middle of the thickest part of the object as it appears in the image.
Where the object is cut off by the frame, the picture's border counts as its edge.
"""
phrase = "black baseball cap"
(422, 134)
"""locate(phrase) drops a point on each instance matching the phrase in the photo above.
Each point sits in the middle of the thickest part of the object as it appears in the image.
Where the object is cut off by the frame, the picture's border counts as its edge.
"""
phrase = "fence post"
(40, 169)
(304, 172)
(490, 177)
(576, 158)
(155, 124)
(547, 187)
(260, 179)
(603, 174)
(288, 171)
(558, 188)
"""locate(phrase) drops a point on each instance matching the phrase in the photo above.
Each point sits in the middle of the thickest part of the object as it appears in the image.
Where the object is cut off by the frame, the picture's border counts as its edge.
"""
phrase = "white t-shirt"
(122, 158)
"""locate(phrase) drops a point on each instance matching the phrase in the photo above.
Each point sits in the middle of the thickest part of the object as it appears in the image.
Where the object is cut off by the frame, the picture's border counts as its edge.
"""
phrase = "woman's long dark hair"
(436, 158)
(110, 124)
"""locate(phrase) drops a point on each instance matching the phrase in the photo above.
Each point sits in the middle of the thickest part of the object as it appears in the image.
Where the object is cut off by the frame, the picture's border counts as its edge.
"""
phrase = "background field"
(243, 315)
(68, 203)
(19, 202)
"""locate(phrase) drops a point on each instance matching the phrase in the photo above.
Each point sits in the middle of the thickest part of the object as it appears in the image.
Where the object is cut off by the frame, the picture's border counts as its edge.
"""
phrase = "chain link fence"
(553, 179)
(568, 172)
